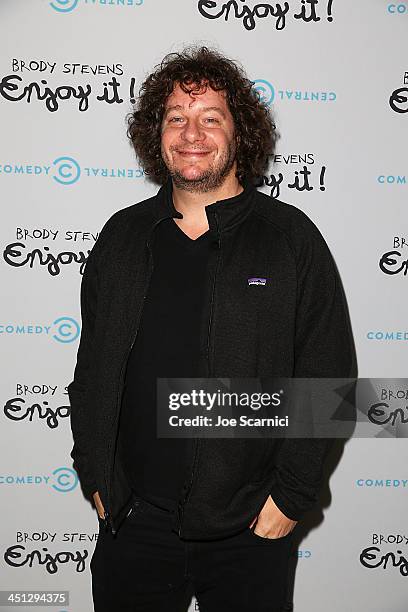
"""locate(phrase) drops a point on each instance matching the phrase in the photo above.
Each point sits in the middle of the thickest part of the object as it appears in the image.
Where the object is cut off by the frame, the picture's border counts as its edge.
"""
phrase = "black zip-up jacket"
(296, 324)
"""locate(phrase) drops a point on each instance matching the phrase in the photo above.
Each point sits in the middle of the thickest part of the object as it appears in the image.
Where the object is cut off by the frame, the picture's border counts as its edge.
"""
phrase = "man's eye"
(175, 119)
(211, 119)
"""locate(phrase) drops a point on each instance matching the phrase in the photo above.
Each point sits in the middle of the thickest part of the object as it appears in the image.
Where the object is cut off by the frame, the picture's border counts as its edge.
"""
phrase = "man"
(166, 293)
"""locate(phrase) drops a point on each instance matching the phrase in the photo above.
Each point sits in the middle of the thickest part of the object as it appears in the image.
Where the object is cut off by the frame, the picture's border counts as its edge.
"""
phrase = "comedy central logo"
(64, 6)
(267, 93)
(63, 479)
(66, 170)
(265, 90)
(64, 329)
(67, 6)
(397, 9)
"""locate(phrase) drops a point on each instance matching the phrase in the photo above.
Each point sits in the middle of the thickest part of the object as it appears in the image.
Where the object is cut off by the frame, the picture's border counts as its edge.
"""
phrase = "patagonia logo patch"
(256, 280)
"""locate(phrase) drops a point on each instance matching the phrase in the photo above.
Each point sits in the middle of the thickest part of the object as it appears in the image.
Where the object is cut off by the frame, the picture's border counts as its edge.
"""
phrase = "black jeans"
(147, 567)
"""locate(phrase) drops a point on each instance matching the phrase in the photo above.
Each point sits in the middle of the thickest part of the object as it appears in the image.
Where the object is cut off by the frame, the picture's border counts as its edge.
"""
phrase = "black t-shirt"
(166, 345)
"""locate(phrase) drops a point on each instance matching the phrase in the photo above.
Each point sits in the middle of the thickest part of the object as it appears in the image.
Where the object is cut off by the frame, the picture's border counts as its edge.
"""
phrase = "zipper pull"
(106, 520)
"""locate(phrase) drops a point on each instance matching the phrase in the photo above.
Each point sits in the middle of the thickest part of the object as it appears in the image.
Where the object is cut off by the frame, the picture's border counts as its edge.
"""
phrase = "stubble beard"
(208, 180)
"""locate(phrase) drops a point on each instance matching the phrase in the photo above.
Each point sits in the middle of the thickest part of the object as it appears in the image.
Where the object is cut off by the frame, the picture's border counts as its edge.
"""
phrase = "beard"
(209, 179)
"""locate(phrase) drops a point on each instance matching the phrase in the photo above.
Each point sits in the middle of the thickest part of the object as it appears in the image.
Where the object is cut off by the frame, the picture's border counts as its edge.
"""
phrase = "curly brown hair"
(254, 126)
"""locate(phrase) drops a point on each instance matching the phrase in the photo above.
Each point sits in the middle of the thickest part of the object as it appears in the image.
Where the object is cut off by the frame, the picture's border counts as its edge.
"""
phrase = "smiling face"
(198, 139)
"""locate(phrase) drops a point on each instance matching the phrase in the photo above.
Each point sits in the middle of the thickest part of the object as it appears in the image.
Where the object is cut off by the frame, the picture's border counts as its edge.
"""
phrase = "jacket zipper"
(212, 298)
(196, 441)
(108, 517)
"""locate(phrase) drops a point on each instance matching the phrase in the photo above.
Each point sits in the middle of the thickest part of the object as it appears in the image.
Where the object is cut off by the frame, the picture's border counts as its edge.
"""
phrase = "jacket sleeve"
(81, 417)
(324, 347)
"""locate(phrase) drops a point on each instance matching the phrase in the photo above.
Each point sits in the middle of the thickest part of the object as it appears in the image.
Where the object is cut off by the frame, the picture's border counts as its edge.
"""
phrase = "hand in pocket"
(272, 522)
(98, 504)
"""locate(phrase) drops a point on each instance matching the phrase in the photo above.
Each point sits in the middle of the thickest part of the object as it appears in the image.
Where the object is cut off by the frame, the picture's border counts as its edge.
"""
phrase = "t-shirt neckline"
(182, 236)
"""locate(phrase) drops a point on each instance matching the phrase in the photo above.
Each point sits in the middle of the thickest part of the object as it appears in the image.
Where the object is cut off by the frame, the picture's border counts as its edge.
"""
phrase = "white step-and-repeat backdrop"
(336, 76)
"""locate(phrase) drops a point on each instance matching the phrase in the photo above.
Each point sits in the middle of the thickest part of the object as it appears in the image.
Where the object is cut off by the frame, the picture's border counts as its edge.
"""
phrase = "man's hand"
(271, 522)
(99, 507)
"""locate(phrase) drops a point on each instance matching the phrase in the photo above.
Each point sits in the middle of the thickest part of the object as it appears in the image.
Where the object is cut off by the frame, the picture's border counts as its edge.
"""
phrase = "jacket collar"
(221, 215)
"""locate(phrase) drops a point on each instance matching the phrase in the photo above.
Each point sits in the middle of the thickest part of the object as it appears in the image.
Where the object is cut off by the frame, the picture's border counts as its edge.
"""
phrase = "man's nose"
(192, 131)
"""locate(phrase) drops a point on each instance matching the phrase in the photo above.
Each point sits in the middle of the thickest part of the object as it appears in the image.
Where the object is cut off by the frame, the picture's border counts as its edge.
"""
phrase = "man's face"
(198, 139)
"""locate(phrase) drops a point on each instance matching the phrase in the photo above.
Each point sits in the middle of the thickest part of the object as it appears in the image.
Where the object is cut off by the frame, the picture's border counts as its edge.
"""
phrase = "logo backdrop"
(335, 74)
